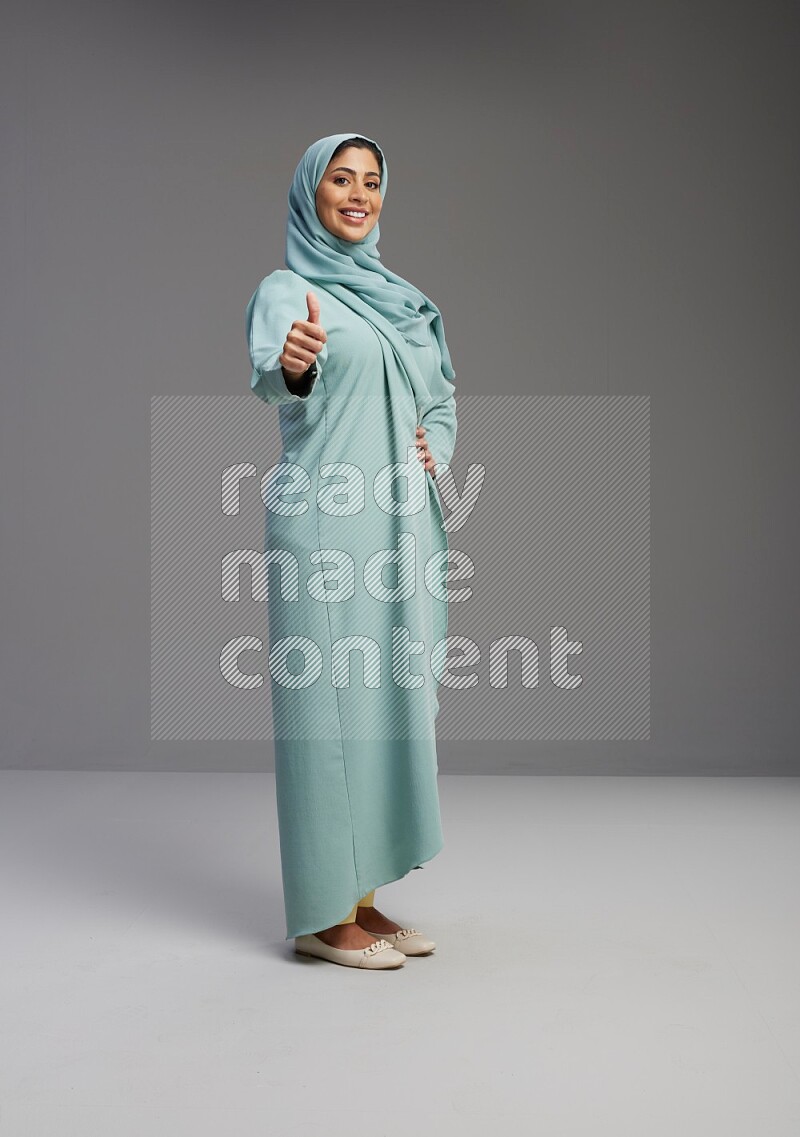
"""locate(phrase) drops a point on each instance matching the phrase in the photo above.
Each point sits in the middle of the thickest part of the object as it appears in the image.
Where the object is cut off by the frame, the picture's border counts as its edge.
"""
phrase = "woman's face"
(350, 185)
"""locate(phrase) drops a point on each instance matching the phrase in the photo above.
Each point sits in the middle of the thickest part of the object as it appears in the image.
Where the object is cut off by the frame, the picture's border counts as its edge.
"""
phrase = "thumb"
(313, 307)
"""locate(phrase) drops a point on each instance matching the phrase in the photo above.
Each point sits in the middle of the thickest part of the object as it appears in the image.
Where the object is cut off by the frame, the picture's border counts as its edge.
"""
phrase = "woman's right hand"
(304, 341)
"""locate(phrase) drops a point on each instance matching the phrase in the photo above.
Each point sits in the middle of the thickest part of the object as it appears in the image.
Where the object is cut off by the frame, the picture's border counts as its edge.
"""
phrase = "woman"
(355, 358)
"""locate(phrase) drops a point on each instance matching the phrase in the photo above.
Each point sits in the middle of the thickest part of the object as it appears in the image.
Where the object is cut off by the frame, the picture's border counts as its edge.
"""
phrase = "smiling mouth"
(355, 215)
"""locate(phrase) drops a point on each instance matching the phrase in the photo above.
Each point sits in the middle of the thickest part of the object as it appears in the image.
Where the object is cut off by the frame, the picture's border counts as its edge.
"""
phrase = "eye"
(343, 178)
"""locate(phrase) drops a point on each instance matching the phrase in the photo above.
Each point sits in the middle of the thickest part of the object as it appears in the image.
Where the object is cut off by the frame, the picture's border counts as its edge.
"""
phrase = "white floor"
(616, 956)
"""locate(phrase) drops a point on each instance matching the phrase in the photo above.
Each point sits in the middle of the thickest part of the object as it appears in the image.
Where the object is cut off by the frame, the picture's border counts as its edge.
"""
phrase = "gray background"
(602, 199)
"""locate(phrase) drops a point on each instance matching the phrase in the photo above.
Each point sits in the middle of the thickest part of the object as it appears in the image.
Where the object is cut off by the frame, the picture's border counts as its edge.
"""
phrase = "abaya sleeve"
(439, 416)
(278, 301)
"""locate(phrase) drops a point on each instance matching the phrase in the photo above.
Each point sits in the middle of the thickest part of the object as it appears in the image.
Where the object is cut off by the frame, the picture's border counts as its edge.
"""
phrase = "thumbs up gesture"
(304, 342)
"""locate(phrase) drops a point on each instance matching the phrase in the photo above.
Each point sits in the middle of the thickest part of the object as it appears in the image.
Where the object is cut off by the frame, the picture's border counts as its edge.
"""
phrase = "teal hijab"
(353, 272)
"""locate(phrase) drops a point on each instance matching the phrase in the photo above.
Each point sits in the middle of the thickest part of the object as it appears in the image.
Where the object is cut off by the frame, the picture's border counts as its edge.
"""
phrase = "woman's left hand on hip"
(423, 453)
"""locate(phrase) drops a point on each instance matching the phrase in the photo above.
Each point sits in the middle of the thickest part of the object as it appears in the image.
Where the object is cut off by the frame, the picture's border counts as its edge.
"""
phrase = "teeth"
(353, 213)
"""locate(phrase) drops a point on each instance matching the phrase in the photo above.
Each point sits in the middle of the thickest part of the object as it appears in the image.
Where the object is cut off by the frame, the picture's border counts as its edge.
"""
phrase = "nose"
(358, 194)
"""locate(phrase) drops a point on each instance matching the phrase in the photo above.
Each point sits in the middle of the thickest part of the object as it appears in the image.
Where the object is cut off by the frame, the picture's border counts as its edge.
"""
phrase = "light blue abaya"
(357, 563)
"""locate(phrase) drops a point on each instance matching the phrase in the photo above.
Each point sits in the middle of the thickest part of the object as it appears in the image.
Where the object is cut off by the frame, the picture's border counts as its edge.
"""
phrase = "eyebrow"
(349, 171)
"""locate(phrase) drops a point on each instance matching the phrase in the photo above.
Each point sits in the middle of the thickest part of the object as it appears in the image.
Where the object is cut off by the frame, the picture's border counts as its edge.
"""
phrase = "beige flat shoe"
(408, 941)
(379, 956)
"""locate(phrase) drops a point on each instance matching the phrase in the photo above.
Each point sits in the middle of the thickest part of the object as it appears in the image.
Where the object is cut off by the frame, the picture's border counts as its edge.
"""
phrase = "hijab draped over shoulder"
(352, 271)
